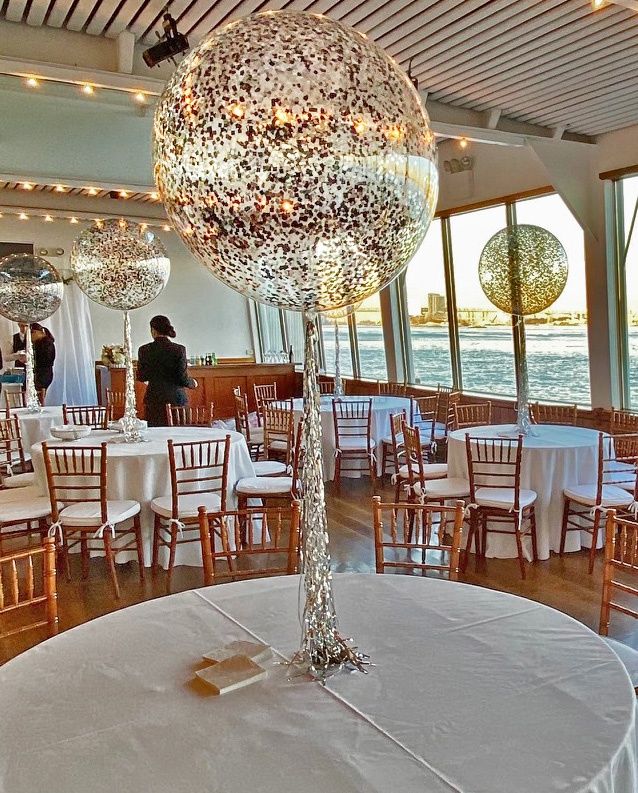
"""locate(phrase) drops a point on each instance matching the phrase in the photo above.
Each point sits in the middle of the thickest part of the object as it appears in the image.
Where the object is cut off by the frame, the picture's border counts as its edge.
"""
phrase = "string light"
(596, 4)
(88, 89)
(59, 188)
(463, 143)
(140, 97)
(32, 82)
(92, 190)
(48, 219)
(23, 216)
(73, 220)
(154, 196)
(166, 228)
(123, 194)
(27, 186)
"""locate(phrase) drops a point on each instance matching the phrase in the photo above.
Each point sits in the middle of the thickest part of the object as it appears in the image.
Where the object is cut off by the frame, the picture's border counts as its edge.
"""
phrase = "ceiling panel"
(548, 62)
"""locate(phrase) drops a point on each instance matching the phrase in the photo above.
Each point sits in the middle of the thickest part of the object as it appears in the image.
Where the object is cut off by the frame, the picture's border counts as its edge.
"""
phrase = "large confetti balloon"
(523, 269)
(296, 160)
(120, 264)
(30, 288)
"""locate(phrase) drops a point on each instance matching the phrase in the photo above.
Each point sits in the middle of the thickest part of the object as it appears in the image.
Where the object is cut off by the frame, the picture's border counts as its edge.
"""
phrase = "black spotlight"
(170, 44)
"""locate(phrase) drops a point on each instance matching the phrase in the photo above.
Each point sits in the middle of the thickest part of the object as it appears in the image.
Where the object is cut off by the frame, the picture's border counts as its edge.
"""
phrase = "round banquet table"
(382, 408)
(472, 691)
(140, 471)
(554, 458)
(36, 427)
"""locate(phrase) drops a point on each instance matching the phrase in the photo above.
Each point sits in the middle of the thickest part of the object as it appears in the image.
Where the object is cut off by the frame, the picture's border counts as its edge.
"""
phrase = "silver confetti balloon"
(296, 160)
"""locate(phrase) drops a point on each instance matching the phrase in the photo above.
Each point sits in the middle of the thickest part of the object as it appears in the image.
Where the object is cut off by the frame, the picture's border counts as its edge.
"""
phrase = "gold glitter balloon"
(342, 313)
(523, 269)
(296, 160)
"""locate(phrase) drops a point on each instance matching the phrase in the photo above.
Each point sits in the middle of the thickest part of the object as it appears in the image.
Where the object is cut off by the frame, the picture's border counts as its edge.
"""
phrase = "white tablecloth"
(554, 458)
(36, 427)
(382, 409)
(473, 691)
(140, 471)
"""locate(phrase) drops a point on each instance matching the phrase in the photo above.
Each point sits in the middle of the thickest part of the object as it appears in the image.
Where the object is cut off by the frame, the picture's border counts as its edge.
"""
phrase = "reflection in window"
(370, 339)
(270, 332)
(485, 333)
(345, 354)
(427, 310)
(295, 334)
(557, 351)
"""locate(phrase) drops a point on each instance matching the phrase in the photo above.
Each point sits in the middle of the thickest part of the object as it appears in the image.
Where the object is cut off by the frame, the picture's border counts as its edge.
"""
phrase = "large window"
(345, 353)
(426, 299)
(627, 196)
(372, 363)
(557, 352)
(485, 334)
(270, 332)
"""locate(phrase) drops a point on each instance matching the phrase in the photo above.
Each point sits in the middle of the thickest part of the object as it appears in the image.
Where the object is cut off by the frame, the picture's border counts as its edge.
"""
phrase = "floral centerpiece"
(113, 355)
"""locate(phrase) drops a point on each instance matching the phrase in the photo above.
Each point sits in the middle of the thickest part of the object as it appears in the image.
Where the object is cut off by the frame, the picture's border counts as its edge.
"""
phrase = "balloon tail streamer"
(32, 401)
(523, 423)
(323, 650)
(338, 389)
(130, 426)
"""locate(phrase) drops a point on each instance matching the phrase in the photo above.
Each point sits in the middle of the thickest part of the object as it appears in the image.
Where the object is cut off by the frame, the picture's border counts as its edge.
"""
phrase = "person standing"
(163, 365)
(18, 347)
(43, 356)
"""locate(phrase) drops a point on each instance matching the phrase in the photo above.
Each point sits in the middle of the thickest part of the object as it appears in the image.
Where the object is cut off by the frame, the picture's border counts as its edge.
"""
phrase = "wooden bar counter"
(215, 384)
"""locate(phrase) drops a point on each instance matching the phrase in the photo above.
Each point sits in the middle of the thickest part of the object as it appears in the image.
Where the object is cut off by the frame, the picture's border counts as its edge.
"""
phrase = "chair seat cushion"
(354, 443)
(266, 485)
(25, 503)
(430, 471)
(19, 480)
(278, 446)
(612, 496)
(188, 504)
(270, 468)
(454, 487)
(628, 657)
(503, 497)
(89, 513)
(623, 475)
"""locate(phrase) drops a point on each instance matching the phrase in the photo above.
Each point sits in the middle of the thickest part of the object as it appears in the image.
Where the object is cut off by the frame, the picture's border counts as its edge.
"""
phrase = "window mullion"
(354, 346)
(450, 289)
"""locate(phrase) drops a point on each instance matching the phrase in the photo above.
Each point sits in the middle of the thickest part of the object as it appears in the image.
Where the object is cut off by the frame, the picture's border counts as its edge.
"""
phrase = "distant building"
(436, 310)
(477, 317)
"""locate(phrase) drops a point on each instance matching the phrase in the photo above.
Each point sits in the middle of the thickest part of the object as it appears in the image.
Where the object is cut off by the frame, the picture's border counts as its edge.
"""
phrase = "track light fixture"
(170, 44)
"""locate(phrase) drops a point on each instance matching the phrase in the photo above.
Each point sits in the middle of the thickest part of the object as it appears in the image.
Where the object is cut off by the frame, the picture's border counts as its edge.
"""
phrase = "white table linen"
(140, 471)
(36, 427)
(554, 458)
(473, 691)
(382, 408)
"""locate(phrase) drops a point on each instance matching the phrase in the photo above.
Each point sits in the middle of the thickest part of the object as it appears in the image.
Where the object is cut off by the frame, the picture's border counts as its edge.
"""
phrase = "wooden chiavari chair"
(394, 446)
(553, 414)
(353, 435)
(254, 435)
(187, 416)
(95, 416)
(477, 415)
(81, 512)
(279, 433)
(14, 400)
(391, 389)
(20, 590)
(252, 543)
(14, 462)
(326, 386)
(115, 402)
(614, 488)
(623, 421)
(23, 512)
(277, 488)
(620, 580)
(264, 392)
(423, 414)
(427, 482)
(496, 496)
(416, 538)
(199, 478)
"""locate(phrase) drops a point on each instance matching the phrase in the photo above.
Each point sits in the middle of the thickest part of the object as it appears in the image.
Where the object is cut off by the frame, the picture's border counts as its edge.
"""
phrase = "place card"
(256, 651)
(231, 673)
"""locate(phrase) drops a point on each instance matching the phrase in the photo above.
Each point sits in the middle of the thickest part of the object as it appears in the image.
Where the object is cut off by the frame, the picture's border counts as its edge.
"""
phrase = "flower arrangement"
(113, 355)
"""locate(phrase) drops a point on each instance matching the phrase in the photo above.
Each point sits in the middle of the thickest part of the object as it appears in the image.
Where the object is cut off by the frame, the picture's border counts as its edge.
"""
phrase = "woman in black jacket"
(43, 356)
(162, 364)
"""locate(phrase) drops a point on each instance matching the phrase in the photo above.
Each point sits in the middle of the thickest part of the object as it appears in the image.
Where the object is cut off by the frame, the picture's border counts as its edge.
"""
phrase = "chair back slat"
(263, 393)
(279, 429)
(326, 385)
(424, 413)
(620, 575)
(76, 474)
(553, 414)
(187, 416)
(494, 463)
(623, 421)
(11, 446)
(414, 537)
(352, 418)
(475, 415)
(397, 420)
(392, 389)
(413, 455)
(95, 416)
(208, 460)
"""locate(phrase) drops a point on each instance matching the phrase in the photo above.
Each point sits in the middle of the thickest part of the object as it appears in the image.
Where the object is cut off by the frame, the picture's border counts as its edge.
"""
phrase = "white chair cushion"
(19, 480)
(612, 496)
(19, 493)
(503, 497)
(278, 446)
(89, 513)
(628, 657)
(354, 443)
(430, 471)
(623, 475)
(28, 507)
(188, 504)
(455, 487)
(270, 468)
(266, 485)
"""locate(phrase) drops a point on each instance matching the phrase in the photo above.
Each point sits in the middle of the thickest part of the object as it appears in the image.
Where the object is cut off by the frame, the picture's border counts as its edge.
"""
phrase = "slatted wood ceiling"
(549, 62)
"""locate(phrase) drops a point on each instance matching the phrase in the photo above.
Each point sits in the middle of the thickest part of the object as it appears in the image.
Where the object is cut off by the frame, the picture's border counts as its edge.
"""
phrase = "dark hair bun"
(162, 325)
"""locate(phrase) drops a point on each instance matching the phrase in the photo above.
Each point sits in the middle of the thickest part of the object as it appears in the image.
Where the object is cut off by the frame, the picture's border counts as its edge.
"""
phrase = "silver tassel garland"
(31, 395)
(130, 426)
(338, 389)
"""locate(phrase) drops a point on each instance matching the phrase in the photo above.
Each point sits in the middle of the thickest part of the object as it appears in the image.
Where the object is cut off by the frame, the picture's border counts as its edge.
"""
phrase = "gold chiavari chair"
(326, 386)
(27, 581)
(254, 435)
(269, 488)
(477, 415)
(264, 392)
(623, 421)
(414, 537)
(620, 585)
(279, 431)
(427, 482)
(353, 435)
(614, 488)
(199, 478)
(251, 543)
(391, 389)
(95, 416)
(394, 446)
(81, 512)
(14, 462)
(553, 414)
(423, 414)
(115, 401)
(187, 416)
(496, 496)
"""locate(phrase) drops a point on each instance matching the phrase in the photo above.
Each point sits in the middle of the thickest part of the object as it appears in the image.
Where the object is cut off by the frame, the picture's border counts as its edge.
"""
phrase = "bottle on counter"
(213, 359)
(291, 355)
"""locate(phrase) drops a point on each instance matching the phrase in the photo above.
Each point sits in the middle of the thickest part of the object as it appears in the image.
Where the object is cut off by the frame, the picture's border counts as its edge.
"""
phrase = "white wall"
(207, 316)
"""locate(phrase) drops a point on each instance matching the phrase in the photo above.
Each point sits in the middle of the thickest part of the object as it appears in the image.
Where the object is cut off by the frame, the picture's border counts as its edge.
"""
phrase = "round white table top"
(543, 436)
(49, 411)
(378, 402)
(472, 690)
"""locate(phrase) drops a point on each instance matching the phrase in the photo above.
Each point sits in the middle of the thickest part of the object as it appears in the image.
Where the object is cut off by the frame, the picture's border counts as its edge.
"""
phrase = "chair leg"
(337, 478)
(171, 556)
(470, 536)
(137, 528)
(384, 459)
(373, 468)
(532, 521)
(84, 547)
(110, 560)
(64, 551)
(157, 527)
(563, 531)
(594, 540)
(519, 549)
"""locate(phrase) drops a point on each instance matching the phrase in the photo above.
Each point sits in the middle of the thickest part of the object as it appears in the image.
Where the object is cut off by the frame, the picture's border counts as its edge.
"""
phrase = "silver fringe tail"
(130, 426)
(32, 401)
(323, 651)
(523, 422)
(338, 389)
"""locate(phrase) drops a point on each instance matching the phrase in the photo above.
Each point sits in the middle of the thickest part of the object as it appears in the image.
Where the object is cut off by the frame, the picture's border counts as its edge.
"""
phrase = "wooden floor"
(561, 583)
